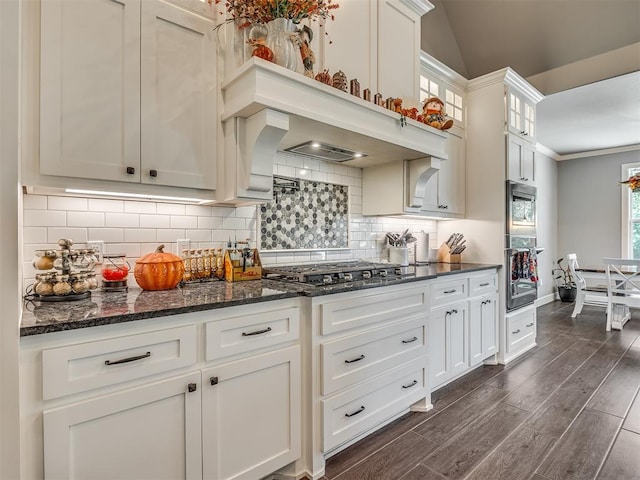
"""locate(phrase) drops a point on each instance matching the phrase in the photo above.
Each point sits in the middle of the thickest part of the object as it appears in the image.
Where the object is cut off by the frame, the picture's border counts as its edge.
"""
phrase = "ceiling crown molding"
(442, 71)
(510, 77)
(597, 153)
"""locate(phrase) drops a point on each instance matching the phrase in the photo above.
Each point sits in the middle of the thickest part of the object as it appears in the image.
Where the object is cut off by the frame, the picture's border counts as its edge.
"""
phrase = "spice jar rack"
(65, 273)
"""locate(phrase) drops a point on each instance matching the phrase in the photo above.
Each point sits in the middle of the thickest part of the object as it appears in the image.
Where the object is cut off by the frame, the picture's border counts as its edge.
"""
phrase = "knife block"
(445, 255)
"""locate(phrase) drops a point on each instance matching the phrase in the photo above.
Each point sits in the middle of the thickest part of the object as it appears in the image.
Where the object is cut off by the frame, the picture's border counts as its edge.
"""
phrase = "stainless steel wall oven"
(521, 254)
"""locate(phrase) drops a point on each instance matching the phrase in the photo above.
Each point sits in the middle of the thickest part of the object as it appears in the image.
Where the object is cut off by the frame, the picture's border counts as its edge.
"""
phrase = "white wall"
(9, 239)
(136, 228)
(589, 216)
(547, 229)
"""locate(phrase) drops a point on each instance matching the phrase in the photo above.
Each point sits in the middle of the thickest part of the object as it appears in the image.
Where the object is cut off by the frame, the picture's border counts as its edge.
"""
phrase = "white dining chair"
(623, 286)
(595, 295)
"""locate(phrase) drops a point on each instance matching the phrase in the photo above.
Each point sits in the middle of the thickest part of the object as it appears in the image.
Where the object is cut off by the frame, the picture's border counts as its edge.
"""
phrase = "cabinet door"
(90, 89)
(151, 432)
(529, 163)
(398, 51)
(252, 415)
(458, 337)
(178, 97)
(482, 328)
(451, 178)
(439, 366)
(515, 153)
(351, 44)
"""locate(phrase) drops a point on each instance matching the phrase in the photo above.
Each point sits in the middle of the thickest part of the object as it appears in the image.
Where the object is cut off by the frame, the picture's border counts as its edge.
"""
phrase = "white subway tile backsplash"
(78, 235)
(67, 203)
(246, 212)
(198, 210)
(209, 223)
(198, 235)
(124, 220)
(107, 235)
(137, 228)
(166, 235)
(44, 218)
(85, 219)
(234, 224)
(139, 207)
(102, 205)
(34, 235)
(171, 209)
(34, 202)
(155, 221)
(140, 235)
(184, 221)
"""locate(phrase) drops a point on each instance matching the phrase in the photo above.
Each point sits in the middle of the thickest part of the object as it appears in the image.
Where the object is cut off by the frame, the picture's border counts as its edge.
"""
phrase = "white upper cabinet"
(521, 157)
(521, 114)
(128, 92)
(178, 104)
(90, 89)
(377, 42)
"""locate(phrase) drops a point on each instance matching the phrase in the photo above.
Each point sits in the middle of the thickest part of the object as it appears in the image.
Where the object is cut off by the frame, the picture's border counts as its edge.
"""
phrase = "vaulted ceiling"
(567, 49)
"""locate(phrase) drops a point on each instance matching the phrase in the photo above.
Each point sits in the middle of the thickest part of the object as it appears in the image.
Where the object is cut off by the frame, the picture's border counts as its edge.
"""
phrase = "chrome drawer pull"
(517, 331)
(258, 332)
(415, 382)
(360, 410)
(486, 284)
(128, 359)
(530, 325)
(450, 291)
(361, 357)
(410, 341)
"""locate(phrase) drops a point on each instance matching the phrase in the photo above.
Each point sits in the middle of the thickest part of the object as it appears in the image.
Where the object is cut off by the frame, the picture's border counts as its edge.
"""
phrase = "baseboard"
(547, 299)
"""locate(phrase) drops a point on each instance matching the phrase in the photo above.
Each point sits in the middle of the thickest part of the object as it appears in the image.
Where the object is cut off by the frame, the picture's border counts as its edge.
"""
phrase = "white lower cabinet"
(213, 395)
(463, 325)
(150, 432)
(448, 337)
(251, 415)
(482, 328)
(520, 331)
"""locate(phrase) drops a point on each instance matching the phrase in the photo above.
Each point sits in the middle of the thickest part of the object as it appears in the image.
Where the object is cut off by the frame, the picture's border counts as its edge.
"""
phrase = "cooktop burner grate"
(332, 273)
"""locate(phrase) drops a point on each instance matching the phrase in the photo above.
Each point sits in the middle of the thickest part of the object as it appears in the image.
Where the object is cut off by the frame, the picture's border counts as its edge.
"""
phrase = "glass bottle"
(219, 263)
(186, 259)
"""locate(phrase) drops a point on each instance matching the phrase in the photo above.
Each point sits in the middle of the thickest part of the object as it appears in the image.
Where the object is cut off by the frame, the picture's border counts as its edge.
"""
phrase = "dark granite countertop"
(105, 308)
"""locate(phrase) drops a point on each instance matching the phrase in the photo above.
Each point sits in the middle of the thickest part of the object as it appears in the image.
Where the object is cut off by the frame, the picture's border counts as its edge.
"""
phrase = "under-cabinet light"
(137, 196)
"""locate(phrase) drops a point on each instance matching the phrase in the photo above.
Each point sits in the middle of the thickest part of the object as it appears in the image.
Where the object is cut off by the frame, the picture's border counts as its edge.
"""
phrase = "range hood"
(268, 108)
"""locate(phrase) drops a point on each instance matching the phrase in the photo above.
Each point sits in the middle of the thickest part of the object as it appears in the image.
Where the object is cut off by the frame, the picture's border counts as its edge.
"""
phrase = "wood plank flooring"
(568, 409)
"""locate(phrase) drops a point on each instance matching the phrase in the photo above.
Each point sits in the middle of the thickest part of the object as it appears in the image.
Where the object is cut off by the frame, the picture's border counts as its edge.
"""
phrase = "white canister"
(421, 247)
(399, 255)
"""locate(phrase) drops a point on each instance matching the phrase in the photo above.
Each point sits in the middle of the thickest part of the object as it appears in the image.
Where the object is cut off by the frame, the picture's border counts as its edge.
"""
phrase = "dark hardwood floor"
(568, 409)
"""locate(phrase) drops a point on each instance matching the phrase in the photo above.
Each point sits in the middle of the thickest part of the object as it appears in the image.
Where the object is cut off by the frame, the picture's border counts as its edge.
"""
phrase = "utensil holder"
(445, 255)
(399, 255)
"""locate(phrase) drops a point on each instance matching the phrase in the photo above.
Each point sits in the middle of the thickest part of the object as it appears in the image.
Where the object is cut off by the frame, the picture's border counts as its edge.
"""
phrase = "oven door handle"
(519, 250)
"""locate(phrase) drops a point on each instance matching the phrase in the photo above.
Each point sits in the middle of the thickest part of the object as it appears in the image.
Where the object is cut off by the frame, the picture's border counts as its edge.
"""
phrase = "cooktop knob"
(366, 274)
(348, 277)
(383, 273)
(327, 279)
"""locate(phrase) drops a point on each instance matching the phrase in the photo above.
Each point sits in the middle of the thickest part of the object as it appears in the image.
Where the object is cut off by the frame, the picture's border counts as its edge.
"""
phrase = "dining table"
(620, 314)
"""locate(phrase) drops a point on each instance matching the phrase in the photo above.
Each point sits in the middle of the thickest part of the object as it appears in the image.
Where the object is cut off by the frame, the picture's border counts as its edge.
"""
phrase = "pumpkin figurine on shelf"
(434, 116)
(324, 77)
(340, 81)
(159, 270)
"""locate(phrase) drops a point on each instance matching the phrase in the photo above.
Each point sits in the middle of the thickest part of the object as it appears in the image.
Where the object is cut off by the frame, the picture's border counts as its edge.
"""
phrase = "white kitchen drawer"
(356, 358)
(347, 415)
(243, 334)
(443, 293)
(372, 307)
(483, 284)
(521, 330)
(85, 366)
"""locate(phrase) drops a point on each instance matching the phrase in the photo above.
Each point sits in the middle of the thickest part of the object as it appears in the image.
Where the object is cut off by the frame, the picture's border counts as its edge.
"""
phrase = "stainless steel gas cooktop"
(332, 273)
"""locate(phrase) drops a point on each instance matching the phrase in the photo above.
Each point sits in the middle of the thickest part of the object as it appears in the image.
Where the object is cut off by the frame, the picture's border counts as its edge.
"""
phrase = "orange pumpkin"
(158, 270)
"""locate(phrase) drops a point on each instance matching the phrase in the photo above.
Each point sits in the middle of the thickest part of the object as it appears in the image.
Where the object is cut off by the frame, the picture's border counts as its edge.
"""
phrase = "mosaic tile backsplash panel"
(315, 217)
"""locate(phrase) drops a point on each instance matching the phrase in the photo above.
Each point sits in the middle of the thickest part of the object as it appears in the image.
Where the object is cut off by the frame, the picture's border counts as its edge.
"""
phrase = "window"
(451, 96)
(630, 214)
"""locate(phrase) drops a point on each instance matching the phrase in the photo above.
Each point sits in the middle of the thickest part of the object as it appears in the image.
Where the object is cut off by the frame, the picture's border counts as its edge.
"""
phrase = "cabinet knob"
(131, 171)
(153, 173)
(192, 387)
(214, 380)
